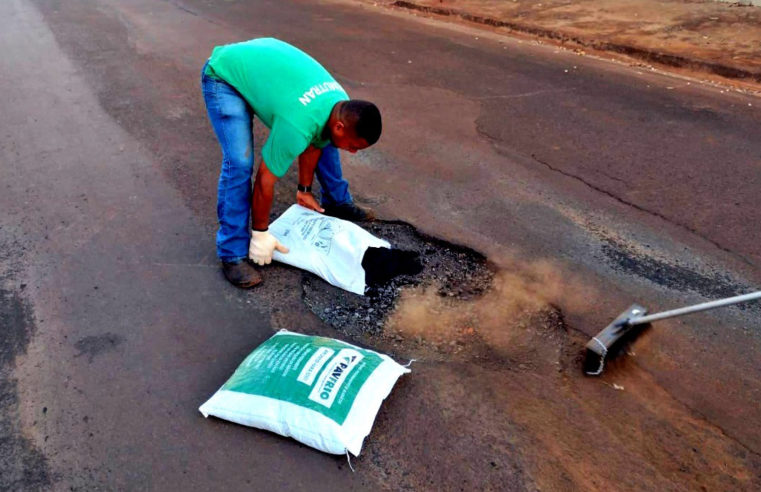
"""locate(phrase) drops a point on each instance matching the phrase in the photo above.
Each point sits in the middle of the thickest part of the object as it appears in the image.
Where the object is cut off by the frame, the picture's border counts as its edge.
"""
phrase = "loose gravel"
(455, 271)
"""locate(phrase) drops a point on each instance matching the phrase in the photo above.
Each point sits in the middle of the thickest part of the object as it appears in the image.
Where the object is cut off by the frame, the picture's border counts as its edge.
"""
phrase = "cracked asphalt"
(584, 185)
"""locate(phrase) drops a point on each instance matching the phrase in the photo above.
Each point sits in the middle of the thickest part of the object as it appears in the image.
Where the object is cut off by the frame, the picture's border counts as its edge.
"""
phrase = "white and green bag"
(330, 248)
(322, 392)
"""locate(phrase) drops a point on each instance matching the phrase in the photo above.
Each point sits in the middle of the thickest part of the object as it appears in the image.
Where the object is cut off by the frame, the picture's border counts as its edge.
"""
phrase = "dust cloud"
(523, 302)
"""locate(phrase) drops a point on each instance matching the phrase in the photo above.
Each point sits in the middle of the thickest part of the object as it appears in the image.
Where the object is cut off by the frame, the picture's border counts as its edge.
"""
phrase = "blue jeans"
(232, 120)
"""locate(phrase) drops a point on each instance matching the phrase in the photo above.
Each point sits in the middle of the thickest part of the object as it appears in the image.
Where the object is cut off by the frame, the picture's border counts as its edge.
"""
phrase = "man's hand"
(262, 245)
(306, 199)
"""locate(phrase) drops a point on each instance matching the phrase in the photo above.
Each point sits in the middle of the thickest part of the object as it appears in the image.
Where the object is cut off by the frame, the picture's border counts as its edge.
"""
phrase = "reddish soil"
(716, 38)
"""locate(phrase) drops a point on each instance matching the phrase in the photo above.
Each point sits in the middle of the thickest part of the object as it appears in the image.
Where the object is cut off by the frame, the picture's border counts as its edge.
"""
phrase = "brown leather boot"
(241, 273)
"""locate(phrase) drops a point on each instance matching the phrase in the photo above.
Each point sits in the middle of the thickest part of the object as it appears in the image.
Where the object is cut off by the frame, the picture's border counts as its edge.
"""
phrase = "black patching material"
(383, 264)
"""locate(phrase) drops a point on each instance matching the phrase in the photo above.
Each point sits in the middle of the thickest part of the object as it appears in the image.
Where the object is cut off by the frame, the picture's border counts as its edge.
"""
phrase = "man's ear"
(339, 128)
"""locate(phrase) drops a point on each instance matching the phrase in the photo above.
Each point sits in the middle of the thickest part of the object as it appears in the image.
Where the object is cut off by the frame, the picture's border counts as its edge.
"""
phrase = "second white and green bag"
(322, 392)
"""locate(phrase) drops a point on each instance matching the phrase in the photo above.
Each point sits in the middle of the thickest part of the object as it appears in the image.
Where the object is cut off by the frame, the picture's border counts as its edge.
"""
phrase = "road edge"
(670, 60)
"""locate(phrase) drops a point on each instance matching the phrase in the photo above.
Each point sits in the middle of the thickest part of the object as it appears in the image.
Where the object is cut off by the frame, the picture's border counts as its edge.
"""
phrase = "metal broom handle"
(694, 309)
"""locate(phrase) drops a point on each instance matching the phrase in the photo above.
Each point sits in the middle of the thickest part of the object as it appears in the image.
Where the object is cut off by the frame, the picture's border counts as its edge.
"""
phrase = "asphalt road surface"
(587, 184)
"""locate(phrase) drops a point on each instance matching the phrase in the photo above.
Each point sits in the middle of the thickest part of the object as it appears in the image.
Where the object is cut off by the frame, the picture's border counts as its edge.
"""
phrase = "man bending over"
(310, 117)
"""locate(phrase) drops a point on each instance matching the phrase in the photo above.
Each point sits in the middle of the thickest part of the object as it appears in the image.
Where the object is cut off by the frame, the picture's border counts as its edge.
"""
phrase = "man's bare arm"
(307, 164)
(263, 243)
(261, 204)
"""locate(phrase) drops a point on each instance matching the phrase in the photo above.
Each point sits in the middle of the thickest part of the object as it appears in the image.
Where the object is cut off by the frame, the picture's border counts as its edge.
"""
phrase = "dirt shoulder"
(715, 38)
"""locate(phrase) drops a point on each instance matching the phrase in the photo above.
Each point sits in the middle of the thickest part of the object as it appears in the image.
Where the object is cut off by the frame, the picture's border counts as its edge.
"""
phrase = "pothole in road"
(459, 307)
(449, 270)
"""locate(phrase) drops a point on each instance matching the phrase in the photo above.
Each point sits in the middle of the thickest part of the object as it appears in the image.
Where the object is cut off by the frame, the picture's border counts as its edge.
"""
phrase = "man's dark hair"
(365, 117)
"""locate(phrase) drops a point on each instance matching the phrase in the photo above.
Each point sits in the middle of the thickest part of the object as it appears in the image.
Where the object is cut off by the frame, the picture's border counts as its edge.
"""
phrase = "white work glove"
(262, 245)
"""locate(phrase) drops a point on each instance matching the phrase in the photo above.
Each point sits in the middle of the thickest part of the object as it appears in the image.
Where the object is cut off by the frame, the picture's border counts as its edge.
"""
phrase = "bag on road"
(322, 392)
(330, 248)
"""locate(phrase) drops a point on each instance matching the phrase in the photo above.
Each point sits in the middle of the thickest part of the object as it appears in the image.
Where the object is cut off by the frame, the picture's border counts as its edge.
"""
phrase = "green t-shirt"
(288, 90)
